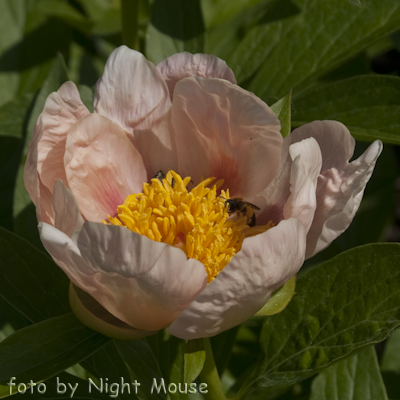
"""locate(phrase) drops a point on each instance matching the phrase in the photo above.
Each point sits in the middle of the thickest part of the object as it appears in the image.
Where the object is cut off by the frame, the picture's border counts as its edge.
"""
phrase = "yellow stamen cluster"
(197, 222)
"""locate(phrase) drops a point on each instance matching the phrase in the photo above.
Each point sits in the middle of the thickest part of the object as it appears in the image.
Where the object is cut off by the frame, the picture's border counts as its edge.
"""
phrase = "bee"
(161, 176)
(237, 204)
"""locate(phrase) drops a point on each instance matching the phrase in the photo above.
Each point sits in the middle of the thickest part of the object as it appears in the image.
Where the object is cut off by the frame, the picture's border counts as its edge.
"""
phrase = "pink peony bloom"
(140, 263)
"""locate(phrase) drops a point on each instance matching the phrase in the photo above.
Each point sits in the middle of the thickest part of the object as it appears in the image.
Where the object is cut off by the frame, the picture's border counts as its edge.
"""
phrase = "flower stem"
(129, 15)
(209, 375)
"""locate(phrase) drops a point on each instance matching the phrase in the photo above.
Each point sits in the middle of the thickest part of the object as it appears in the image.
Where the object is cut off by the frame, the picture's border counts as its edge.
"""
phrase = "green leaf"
(56, 77)
(282, 109)
(177, 375)
(13, 116)
(290, 53)
(108, 362)
(175, 26)
(10, 155)
(164, 348)
(143, 366)
(341, 306)
(43, 350)
(391, 356)
(368, 105)
(31, 282)
(390, 365)
(13, 120)
(355, 378)
(195, 356)
(279, 299)
(55, 389)
(12, 24)
(222, 347)
(87, 95)
(64, 12)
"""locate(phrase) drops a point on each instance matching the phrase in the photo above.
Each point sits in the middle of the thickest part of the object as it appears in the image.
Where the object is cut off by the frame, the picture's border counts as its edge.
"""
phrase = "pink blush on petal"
(226, 168)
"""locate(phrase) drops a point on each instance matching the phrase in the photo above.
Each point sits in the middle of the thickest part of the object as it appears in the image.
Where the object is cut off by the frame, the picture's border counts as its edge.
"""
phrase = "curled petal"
(334, 140)
(31, 179)
(340, 185)
(226, 132)
(183, 65)
(306, 157)
(67, 256)
(265, 262)
(144, 283)
(102, 166)
(292, 191)
(131, 91)
(62, 110)
(44, 209)
(67, 217)
(339, 194)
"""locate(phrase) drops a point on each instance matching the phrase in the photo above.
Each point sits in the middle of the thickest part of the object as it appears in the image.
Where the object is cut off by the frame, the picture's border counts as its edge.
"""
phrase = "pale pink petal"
(67, 217)
(102, 166)
(306, 166)
(67, 256)
(62, 109)
(292, 191)
(265, 262)
(339, 195)
(44, 209)
(227, 132)
(144, 283)
(183, 65)
(334, 139)
(31, 179)
(157, 146)
(40, 195)
(131, 91)
(340, 185)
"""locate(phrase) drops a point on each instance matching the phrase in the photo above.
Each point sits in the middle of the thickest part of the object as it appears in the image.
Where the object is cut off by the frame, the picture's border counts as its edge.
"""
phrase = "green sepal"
(279, 299)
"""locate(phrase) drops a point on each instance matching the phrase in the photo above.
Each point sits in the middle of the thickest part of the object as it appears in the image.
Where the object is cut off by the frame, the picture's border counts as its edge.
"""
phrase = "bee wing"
(252, 205)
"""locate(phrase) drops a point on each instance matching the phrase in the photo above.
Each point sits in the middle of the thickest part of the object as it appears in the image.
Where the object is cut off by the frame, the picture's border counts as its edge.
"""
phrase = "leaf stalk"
(209, 375)
(130, 16)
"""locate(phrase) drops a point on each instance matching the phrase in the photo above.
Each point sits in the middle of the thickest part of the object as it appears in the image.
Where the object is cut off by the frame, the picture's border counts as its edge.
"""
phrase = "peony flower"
(145, 253)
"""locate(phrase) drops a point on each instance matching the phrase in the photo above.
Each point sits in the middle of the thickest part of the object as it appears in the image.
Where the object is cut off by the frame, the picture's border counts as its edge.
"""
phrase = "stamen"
(197, 222)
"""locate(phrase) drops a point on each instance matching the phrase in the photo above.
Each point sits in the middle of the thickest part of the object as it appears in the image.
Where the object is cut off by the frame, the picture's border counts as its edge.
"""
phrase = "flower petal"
(67, 217)
(67, 256)
(225, 131)
(31, 179)
(131, 91)
(44, 209)
(62, 109)
(339, 194)
(292, 191)
(144, 283)
(265, 262)
(340, 185)
(157, 146)
(96, 317)
(102, 166)
(334, 140)
(301, 204)
(183, 65)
